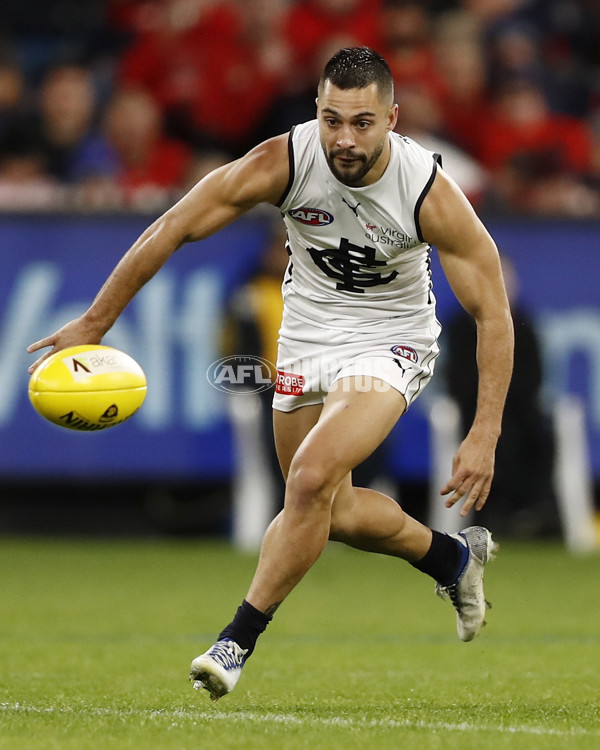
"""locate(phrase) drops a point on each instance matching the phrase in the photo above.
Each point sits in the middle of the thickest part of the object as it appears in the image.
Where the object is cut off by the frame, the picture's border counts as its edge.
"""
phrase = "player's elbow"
(170, 231)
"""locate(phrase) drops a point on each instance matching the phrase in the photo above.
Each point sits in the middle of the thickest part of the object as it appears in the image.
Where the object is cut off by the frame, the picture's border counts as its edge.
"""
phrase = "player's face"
(353, 126)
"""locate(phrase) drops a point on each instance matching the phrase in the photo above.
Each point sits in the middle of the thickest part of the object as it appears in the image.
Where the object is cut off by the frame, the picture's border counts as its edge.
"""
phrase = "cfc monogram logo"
(352, 266)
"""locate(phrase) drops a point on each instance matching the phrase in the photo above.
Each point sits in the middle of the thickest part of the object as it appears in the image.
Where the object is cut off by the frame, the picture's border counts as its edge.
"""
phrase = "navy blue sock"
(445, 560)
(246, 626)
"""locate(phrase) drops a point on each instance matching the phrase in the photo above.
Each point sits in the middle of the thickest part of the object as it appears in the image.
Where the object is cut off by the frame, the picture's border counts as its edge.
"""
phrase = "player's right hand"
(72, 334)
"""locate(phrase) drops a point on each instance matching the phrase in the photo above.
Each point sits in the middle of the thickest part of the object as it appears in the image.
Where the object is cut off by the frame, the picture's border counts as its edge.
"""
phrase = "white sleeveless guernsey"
(358, 261)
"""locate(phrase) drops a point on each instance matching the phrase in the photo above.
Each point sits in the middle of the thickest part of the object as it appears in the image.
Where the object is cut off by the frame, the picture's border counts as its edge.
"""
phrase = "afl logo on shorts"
(312, 217)
(401, 350)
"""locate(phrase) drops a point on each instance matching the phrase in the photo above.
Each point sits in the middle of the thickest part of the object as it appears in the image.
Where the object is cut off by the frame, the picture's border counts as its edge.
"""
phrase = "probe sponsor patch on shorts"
(289, 384)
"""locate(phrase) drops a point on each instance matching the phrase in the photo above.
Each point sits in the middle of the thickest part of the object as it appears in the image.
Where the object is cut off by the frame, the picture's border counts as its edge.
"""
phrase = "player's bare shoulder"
(261, 176)
(446, 217)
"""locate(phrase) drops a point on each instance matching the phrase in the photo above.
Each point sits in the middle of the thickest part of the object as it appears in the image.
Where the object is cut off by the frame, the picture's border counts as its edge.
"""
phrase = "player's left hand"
(472, 472)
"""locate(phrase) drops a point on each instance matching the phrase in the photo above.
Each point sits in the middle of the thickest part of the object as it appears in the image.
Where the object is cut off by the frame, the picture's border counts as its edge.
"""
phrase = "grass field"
(96, 639)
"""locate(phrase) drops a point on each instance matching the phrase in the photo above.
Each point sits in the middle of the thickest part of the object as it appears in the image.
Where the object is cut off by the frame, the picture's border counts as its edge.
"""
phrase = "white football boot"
(219, 668)
(466, 594)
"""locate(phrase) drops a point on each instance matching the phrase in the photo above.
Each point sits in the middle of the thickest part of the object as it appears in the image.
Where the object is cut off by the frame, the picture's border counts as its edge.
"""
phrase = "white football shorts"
(312, 358)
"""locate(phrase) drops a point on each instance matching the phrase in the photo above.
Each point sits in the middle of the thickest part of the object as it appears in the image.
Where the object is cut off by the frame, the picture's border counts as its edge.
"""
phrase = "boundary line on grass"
(292, 719)
(400, 724)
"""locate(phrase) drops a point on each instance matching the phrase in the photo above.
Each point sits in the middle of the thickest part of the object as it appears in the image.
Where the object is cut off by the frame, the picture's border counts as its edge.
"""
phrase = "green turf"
(96, 640)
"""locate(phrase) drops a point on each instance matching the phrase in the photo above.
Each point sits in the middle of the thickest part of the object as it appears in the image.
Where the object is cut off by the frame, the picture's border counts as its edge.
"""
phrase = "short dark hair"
(357, 68)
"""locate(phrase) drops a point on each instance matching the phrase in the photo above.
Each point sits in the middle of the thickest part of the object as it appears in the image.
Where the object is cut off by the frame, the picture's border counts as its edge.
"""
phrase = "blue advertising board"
(53, 266)
(557, 264)
(52, 269)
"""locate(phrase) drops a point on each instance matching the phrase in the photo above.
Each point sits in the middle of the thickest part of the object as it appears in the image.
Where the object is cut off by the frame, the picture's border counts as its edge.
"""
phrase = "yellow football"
(88, 388)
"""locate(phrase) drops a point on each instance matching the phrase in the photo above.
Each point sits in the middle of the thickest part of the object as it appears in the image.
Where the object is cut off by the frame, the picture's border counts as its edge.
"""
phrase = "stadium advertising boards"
(53, 266)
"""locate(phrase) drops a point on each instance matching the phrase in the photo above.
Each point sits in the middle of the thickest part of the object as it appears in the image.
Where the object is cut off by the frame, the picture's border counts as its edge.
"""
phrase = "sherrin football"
(88, 388)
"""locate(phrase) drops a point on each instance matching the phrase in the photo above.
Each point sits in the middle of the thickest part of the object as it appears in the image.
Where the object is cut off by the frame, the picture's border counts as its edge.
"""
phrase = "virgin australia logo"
(242, 373)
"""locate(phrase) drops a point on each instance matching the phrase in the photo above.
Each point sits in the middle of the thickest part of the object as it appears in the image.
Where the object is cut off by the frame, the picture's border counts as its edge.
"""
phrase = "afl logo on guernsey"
(312, 217)
(401, 350)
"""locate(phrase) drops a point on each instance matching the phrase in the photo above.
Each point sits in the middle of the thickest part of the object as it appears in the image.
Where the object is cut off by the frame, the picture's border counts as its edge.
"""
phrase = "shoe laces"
(228, 654)
(449, 592)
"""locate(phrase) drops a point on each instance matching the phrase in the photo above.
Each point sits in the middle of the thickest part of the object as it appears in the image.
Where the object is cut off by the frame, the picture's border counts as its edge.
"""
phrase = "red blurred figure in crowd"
(311, 23)
(521, 122)
(541, 160)
(461, 62)
(213, 67)
(150, 167)
(406, 39)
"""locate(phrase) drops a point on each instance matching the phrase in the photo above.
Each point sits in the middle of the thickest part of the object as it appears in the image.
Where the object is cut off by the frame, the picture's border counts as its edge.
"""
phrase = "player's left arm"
(471, 264)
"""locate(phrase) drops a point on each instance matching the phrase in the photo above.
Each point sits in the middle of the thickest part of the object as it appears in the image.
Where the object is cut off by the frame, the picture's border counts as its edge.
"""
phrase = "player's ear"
(393, 117)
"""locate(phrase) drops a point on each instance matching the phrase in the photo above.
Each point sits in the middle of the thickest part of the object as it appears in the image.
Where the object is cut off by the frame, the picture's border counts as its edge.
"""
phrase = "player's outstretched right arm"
(217, 200)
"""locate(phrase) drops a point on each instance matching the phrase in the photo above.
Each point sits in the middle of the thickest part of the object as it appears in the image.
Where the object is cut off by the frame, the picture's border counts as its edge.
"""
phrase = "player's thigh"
(354, 421)
(290, 429)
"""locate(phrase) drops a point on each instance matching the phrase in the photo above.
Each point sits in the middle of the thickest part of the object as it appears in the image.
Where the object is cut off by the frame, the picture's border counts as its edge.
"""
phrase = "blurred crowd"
(124, 104)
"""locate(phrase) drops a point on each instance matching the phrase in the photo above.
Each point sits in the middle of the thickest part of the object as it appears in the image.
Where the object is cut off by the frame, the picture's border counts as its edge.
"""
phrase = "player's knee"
(309, 484)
